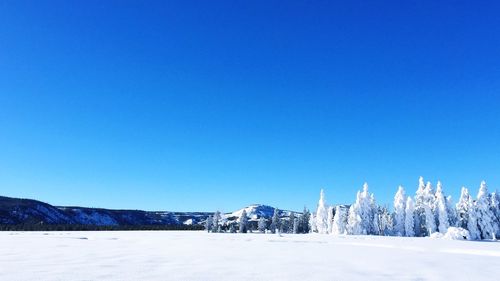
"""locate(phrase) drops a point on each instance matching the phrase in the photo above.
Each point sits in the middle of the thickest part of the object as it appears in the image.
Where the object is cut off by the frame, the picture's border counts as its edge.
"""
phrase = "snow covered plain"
(163, 255)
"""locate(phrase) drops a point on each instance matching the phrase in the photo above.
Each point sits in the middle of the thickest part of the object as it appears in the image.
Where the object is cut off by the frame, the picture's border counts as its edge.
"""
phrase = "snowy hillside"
(256, 211)
(171, 255)
(16, 211)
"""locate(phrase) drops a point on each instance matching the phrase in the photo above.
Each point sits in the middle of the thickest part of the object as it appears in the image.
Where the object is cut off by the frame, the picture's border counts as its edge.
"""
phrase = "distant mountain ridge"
(15, 211)
(256, 211)
(28, 211)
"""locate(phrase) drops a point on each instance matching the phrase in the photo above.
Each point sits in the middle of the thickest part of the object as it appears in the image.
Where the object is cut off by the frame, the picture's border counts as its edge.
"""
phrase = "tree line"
(428, 213)
(290, 224)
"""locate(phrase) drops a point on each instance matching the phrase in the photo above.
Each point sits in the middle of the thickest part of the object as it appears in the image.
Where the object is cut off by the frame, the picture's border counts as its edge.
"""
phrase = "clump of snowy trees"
(428, 212)
(281, 222)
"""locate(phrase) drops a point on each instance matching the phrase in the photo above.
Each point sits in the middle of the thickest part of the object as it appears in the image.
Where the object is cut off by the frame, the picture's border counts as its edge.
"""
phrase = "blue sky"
(195, 105)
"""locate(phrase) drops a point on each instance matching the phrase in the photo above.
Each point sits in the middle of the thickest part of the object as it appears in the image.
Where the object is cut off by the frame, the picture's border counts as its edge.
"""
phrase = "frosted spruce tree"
(322, 215)
(373, 209)
(295, 225)
(209, 224)
(452, 213)
(360, 217)
(474, 232)
(368, 207)
(275, 222)
(262, 224)
(312, 223)
(386, 222)
(354, 226)
(399, 212)
(330, 219)
(495, 205)
(420, 229)
(409, 215)
(339, 221)
(442, 209)
(430, 217)
(304, 221)
(291, 223)
(462, 208)
(216, 222)
(485, 215)
(377, 225)
(243, 222)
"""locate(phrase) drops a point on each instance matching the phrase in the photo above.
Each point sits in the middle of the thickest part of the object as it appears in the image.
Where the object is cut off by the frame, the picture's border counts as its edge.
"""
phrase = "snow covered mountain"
(256, 211)
(14, 211)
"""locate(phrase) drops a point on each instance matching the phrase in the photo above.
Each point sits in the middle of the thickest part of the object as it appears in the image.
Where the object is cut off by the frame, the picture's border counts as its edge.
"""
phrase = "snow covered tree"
(452, 214)
(291, 221)
(430, 218)
(232, 228)
(373, 209)
(485, 215)
(409, 218)
(312, 223)
(330, 219)
(354, 226)
(284, 225)
(377, 226)
(383, 222)
(366, 204)
(339, 221)
(472, 226)
(442, 211)
(209, 224)
(322, 215)
(420, 229)
(462, 208)
(295, 225)
(495, 205)
(275, 221)
(399, 212)
(304, 221)
(216, 222)
(360, 219)
(386, 222)
(243, 222)
(262, 224)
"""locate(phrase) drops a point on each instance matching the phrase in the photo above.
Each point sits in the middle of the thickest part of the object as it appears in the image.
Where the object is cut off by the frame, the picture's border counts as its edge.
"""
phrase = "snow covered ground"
(160, 255)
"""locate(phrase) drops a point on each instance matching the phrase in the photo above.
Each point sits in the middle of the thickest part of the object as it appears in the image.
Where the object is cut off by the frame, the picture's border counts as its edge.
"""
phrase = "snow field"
(176, 255)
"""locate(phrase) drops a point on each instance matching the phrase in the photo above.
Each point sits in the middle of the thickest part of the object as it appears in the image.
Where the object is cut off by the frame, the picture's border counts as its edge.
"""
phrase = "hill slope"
(15, 211)
(27, 211)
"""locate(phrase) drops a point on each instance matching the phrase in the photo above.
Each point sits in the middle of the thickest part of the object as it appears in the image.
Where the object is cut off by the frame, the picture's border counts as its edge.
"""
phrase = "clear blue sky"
(202, 105)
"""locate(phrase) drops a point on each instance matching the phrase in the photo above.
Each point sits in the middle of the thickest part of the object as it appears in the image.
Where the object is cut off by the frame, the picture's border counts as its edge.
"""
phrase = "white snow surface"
(177, 255)
(457, 233)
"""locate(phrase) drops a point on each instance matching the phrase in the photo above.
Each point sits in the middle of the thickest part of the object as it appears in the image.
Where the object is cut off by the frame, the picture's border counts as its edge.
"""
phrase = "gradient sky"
(203, 105)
